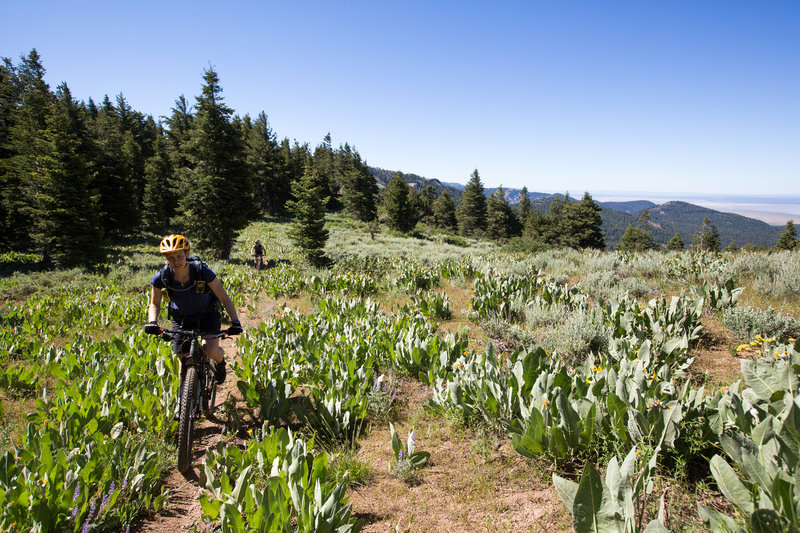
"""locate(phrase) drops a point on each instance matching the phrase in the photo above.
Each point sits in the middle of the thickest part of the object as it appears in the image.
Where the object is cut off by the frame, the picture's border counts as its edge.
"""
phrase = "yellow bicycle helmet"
(173, 243)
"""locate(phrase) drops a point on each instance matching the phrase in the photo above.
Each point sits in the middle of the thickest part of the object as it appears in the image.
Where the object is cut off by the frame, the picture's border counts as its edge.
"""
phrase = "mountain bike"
(198, 389)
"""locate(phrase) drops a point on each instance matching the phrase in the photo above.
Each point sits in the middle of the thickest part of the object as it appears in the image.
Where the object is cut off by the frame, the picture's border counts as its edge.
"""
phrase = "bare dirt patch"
(460, 489)
(714, 359)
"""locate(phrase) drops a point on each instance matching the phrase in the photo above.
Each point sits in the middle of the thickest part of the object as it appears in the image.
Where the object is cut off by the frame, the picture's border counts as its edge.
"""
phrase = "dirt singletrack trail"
(183, 511)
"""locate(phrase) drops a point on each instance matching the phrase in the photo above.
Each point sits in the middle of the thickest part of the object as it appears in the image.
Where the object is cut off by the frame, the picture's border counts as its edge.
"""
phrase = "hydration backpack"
(198, 285)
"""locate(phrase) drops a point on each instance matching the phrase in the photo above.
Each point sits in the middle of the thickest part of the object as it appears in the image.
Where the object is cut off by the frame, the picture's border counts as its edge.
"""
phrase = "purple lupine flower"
(91, 512)
(411, 442)
(77, 492)
(394, 394)
(74, 513)
(400, 456)
(85, 527)
(128, 529)
(124, 485)
(102, 504)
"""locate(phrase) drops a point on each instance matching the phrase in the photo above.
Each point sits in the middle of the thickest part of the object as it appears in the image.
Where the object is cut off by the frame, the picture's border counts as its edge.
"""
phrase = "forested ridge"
(77, 174)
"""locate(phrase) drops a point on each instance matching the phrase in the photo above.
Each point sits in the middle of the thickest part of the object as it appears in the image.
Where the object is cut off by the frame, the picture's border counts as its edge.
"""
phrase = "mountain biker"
(193, 292)
(258, 254)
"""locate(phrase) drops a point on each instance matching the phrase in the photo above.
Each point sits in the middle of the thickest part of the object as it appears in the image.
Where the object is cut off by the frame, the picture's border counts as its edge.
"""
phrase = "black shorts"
(211, 322)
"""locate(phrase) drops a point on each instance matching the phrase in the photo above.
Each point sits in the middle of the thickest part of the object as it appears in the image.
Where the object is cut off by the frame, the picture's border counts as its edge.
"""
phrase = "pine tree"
(581, 224)
(471, 212)
(325, 173)
(66, 216)
(637, 239)
(270, 182)
(179, 126)
(524, 209)
(358, 186)
(396, 203)
(788, 238)
(427, 197)
(25, 146)
(158, 201)
(216, 188)
(538, 231)
(444, 212)
(709, 237)
(113, 158)
(499, 215)
(675, 243)
(309, 232)
(9, 99)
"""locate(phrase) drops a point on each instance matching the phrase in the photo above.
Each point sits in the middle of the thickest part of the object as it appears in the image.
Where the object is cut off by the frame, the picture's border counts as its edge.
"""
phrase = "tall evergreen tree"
(325, 173)
(538, 232)
(309, 232)
(427, 197)
(524, 208)
(179, 126)
(638, 238)
(9, 99)
(709, 239)
(675, 243)
(500, 218)
(66, 214)
(399, 211)
(581, 224)
(25, 146)
(788, 238)
(158, 202)
(112, 160)
(358, 187)
(216, 188)
(471, 212)
(444, 212)
(271, 184)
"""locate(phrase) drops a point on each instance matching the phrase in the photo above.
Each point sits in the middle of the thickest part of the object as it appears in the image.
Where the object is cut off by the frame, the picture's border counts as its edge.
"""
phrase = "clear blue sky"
(687, 96)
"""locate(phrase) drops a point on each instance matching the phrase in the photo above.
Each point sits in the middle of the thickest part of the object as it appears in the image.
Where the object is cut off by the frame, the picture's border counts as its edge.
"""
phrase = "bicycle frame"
(195, 394)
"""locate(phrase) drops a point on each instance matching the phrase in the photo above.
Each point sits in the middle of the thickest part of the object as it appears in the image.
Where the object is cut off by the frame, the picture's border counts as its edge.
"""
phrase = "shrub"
(747, 322)
(583, 333)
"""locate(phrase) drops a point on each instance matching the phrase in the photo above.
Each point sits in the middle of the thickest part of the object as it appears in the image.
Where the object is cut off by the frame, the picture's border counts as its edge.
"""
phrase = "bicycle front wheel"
(186, 422)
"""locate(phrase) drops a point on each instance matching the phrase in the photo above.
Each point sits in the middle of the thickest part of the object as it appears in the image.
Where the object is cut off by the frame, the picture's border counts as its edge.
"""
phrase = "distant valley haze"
(774, 210)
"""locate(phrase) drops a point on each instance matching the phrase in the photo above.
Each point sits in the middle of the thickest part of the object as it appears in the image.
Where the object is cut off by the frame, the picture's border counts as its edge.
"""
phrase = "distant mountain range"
(666, 219)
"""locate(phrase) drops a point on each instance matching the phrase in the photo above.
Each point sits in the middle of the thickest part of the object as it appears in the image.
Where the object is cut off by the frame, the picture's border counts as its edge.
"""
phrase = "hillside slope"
(665, 219)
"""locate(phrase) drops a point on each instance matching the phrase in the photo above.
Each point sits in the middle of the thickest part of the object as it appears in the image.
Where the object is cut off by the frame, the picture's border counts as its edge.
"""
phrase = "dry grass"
(461, 489)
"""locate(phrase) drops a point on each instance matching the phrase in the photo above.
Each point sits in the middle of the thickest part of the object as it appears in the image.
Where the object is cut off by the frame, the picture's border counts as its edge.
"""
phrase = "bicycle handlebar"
(170, 334)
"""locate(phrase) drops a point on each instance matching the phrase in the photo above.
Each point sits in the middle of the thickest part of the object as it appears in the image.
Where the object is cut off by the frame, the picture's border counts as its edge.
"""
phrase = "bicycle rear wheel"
(186, 422)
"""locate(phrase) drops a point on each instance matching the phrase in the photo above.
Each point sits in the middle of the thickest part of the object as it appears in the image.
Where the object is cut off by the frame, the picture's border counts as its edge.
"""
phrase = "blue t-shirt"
(184, 298)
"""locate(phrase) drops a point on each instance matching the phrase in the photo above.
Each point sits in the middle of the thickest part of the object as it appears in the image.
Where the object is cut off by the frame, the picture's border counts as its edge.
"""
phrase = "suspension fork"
(189, 360)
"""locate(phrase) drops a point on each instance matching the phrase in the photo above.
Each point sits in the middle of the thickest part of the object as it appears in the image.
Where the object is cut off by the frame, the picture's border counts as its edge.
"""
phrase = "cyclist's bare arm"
(219, 291)
(155, 304)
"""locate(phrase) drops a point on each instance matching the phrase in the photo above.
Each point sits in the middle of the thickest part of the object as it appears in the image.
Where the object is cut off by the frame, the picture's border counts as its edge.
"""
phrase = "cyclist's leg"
(181, 347)
(211, 322)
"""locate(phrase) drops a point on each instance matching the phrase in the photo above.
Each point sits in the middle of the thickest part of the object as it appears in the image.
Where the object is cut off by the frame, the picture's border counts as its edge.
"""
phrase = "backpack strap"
(196, 266)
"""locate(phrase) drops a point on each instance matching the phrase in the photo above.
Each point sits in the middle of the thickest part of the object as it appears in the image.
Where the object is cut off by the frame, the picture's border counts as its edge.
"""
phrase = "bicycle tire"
(210, 397)
(186, 422)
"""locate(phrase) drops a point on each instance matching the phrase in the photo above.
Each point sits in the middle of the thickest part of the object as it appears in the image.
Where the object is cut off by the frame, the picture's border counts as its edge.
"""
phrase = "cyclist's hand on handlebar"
(235, 329)
(152, 328)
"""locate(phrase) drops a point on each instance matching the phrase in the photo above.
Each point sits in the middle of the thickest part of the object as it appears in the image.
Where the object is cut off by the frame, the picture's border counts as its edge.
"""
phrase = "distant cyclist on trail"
(258, 255)
(193, 293)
